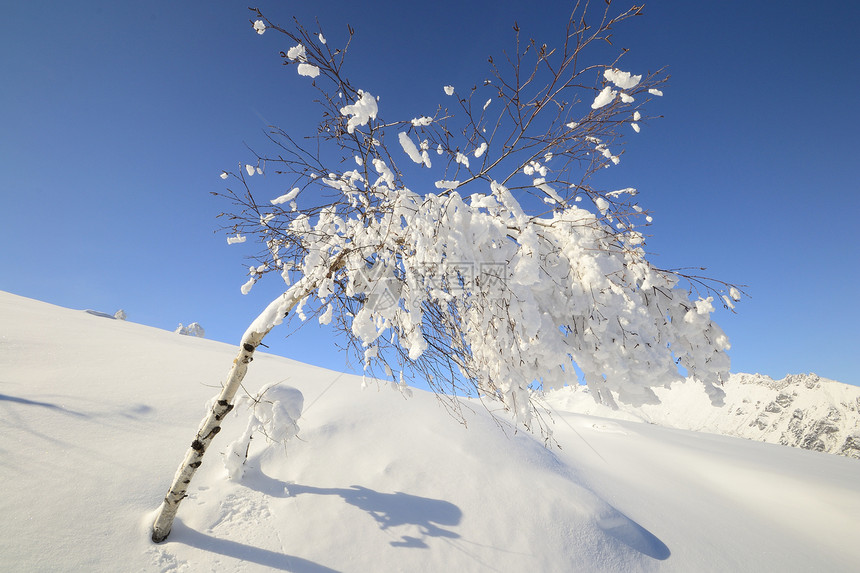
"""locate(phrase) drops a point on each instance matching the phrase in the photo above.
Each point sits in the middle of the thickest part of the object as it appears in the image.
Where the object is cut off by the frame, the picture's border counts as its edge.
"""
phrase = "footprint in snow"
(609, 428)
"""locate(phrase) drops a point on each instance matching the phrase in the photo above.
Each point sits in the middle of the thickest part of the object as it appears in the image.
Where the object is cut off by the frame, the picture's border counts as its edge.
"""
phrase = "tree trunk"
(211, 424)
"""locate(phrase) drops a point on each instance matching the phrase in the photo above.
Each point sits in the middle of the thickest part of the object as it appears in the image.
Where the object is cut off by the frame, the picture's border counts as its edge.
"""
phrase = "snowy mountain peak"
(800, 410)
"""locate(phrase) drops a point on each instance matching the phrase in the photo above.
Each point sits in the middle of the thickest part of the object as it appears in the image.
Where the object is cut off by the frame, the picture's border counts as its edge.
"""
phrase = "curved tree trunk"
(211, 424)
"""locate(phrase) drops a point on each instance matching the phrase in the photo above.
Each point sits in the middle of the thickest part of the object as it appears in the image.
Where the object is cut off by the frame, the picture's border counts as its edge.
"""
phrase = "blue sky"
(117, 119)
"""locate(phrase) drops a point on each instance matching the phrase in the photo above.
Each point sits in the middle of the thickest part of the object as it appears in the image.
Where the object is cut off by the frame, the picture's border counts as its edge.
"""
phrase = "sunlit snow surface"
(95, 414)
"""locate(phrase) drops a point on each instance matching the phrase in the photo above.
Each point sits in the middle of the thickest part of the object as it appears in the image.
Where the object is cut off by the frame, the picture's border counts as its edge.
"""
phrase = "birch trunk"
(211, 424)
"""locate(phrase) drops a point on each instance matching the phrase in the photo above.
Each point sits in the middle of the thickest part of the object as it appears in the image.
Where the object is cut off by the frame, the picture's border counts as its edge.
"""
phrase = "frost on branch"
(511, 271)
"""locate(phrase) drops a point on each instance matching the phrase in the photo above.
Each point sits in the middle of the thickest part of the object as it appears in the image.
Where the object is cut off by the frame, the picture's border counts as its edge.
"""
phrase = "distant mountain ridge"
(800, 410)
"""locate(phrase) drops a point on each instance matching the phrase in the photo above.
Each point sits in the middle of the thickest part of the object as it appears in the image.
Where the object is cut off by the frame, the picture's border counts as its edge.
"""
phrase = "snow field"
(97, 413)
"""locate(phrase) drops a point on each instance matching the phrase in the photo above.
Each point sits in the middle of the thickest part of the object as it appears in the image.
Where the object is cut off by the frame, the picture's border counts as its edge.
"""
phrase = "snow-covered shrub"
(273, 413)
(193, 329)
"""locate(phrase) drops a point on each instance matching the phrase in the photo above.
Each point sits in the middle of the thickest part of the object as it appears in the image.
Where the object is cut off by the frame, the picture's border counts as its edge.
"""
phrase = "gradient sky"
(116, 119)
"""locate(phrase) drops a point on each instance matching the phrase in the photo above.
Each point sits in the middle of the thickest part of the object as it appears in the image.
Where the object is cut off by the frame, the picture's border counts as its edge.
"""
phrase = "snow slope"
(801, 410)
(95, 414)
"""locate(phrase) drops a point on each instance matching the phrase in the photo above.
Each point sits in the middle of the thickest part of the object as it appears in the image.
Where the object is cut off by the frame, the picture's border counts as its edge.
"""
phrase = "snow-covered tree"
(465, 245)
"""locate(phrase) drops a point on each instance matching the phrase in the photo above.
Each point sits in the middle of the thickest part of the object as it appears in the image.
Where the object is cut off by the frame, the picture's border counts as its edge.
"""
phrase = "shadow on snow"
(26, 402)
(620, 527)
(389, 510)
(271, 559)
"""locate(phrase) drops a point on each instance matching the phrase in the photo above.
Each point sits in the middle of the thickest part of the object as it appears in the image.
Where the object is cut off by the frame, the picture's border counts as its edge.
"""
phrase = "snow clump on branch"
(299, 54)
(362, 111)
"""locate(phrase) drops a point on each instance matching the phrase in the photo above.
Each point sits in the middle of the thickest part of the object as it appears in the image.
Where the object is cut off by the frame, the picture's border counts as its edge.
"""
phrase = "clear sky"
(116, 119)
